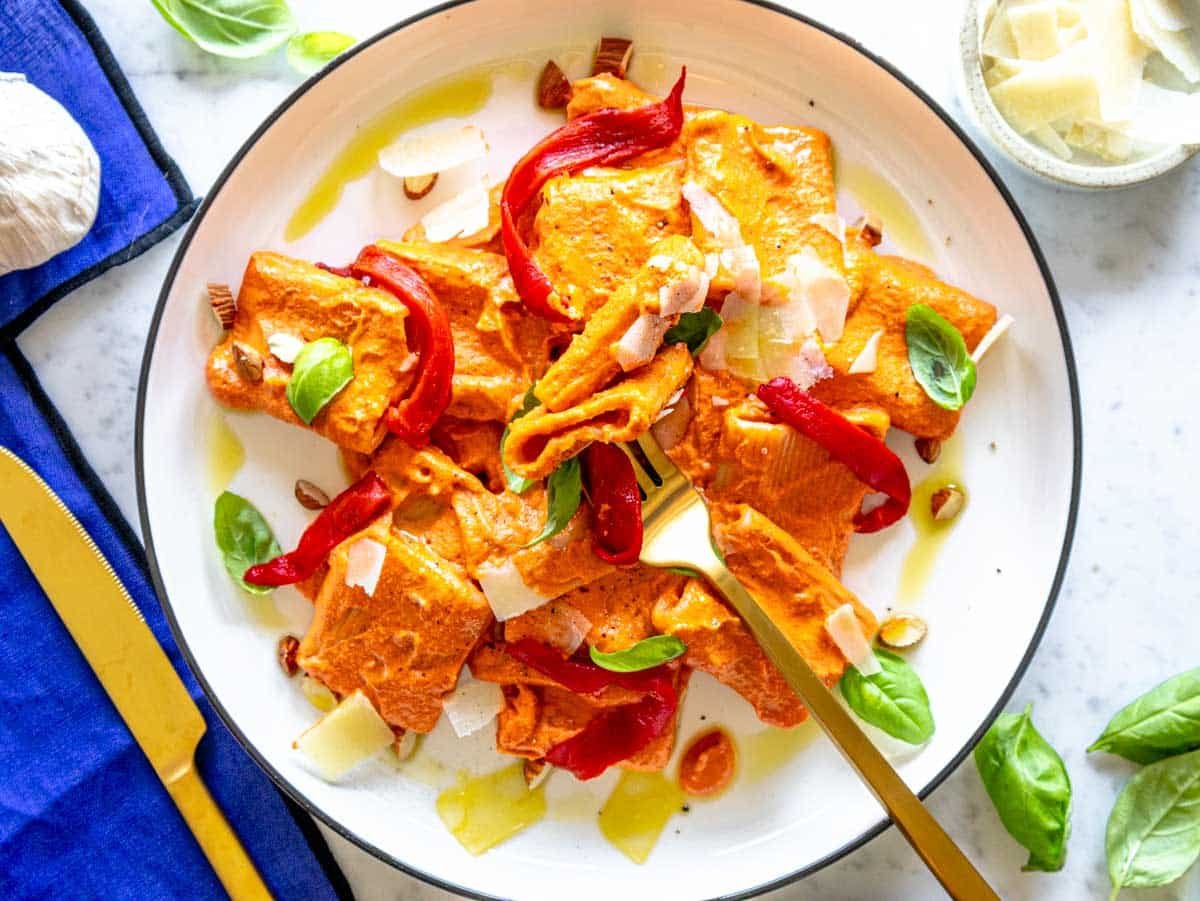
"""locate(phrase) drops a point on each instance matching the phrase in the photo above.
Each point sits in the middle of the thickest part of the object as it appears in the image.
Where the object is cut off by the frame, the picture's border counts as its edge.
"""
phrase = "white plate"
(996, 576)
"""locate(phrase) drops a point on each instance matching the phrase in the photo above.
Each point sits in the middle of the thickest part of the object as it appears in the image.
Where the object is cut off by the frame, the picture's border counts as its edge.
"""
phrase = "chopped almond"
(553, 90)
(870, 227)
(417, 186)
(902, 630)
(310, 496)
(612, 56)
(536, 772)
(249, 362)
(288, 646)
(947, 503)
(928, 449)
(224, 307)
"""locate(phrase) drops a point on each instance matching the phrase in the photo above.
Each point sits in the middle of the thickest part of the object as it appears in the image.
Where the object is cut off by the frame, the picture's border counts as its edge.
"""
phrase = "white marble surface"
(1127, 266)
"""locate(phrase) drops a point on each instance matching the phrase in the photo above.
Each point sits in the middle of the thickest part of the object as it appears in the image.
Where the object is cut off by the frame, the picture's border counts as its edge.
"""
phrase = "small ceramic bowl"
(1032, 157)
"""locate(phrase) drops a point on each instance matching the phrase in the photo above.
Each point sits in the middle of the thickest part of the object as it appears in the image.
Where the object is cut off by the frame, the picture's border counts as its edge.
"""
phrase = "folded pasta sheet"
(404, 644)
(593, 230)
(283, 296)
(888, 286)
(540, 441)
(497, 349)
(594, 357)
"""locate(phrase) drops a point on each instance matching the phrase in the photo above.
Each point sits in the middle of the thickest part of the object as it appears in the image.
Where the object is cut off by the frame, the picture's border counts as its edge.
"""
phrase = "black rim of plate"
(853, 844)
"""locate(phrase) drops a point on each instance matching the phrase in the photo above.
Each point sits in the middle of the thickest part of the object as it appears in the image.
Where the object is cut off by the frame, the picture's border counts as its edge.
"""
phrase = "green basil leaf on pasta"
(938, 357)
(1153, 834)
(517, 484)
(1162, 722)
(1029, 787)
(564, 491)
(647, 653)
(240, 29)
(321, 369)
(312, 51)
(694, 329)
(243, 537)
(893, 699)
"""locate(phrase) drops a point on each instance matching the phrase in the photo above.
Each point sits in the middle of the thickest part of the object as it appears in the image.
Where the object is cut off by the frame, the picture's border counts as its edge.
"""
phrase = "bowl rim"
(1034, 158)
(290, 792)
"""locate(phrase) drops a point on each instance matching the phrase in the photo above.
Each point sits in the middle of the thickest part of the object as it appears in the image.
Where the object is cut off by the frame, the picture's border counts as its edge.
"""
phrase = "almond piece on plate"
(553, 89)
(220, 300)
(947, 503)
(928, 449)
(417, 186)
(535, 771)
(612, 56)
(249, 362)
(902, 630)
(310, 496)
(288, 646)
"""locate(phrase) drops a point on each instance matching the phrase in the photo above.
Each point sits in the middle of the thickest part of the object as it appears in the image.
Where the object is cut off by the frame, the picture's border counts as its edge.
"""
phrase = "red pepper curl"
(350, 512)
(614, 734)
(604, 137)
(616, 504)
(871, 461)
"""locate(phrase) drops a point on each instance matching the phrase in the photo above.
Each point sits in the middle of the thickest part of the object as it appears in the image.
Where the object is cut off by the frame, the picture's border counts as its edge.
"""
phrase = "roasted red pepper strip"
(428, 330)
(351, 511)
(616, 504)
(613, 734)
(864, 454)
(601, 138)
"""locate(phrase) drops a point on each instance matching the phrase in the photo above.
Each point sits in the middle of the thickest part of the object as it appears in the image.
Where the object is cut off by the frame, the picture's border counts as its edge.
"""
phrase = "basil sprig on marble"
(1153, 833)
(893, 699)
(564, 491)
(516, 483)
(312, 51)
(235, 28)
(1029, 786)
(321, 369)
(939, 358)
(243, 537)
(1162, 722)
(694, 329)
(647, 653)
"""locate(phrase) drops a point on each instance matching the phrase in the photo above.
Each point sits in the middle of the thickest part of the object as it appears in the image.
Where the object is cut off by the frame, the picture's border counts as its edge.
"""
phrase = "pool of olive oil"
(482, 811)
(931, 534)
(874, 192)
(637, 811)
(225, 454)
(766, 752)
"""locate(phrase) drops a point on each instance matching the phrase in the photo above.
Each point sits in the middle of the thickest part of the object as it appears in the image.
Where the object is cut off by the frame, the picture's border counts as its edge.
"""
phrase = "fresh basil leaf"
(939, 358)
(647, 653)
(243, 537)
(1153, 833)
(564, 491)
(894, 699)
(516, 483)
(312, 51)
(1162, 722)
(694, 329)
(235, 28)
(1029, 787)
(322, 369)
(682, 571)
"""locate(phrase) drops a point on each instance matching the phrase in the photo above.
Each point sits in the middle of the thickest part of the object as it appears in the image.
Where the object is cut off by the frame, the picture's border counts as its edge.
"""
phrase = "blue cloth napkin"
(82, 814)
(143, 195)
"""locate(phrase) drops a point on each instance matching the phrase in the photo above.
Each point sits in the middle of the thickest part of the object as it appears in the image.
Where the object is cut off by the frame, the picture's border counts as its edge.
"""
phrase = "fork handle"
(941, 855)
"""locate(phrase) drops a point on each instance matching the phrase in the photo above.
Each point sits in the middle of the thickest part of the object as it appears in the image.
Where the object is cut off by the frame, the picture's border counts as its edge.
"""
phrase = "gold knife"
(120, 648)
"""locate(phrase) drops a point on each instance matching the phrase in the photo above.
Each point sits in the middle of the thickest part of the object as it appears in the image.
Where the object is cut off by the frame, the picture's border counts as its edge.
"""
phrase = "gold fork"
(678, 534)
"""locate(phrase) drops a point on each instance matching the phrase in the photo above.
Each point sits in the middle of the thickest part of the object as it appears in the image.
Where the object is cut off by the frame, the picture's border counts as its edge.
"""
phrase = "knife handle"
(217, 839)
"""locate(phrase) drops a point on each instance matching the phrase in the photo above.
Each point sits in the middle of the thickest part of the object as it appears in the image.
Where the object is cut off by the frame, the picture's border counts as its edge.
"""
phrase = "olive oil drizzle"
(931, 534)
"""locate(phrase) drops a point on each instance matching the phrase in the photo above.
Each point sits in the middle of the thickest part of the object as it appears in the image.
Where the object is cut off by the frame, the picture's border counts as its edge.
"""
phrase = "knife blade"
(127, 659)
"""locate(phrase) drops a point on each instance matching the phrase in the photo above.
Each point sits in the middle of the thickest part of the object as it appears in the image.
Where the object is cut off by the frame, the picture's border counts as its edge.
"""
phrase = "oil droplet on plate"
(225, 454)
(483, 811)
(931, 533)
(875, 193)
(765, 752)
(637, 811)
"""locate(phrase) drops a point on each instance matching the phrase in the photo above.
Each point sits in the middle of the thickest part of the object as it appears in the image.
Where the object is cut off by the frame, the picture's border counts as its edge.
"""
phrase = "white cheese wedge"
(847, 633)
(431, 152)
(717, 221)
(364, 564)
(994, 334)
(712, 357)
(348, 735)
(1168, 15)
(506, 591)
(684, 295)
(868, 357)
(463, 214)
(742, 263)
(472, 705)
(641, 341)
(1175, 46)
(669, 430)
(1051, 140)
(822, 288)
(1034, 29)
(285, 347)
(1117, 57)
(998, 37)
(1045, 91)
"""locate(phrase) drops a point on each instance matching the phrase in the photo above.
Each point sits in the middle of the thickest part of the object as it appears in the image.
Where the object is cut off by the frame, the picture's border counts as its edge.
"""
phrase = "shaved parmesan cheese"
(461, 215)
(1166, 117)
(1051, 140)
(285, 347)
(1166, 14)
(867, 358)
(641, 341)
(998, 38)
(809, 366)
(712, 215)
(712, 357)
(687, 295)
(823, 289)
(426, 154)
(1175, 46)
(1117, 57)
(317, 694)
(712, 264)
(364, 563)
(993, 335)
(669, 430)
(567, 629)
(1045, 91)
(1035, 29)
(847, 633)
(742, 263)
(661, 262)
(345, 737)
(473, 704)
(740, 328)
(406, 745)
(506, 591)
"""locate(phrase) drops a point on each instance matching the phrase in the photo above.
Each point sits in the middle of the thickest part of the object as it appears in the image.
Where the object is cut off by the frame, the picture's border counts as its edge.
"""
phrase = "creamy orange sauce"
(708, 765)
